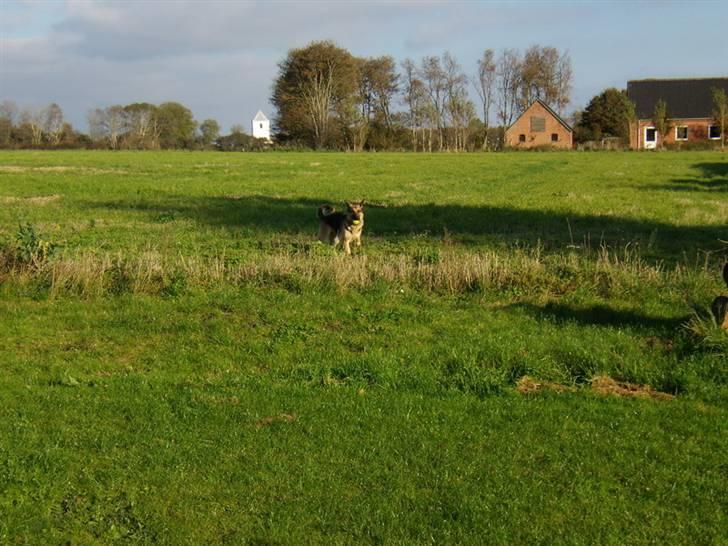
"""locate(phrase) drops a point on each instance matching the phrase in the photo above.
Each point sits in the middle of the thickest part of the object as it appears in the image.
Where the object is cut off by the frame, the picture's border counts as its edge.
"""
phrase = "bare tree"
(508, 80)
(415, 98)
(141, 125)
(53, 123)
(459, 108)
(434, 79)
(9, 111)
(564, 78)
(317, 92)
(107, 124)
(33, 118)
(483, 83)
(8, 115)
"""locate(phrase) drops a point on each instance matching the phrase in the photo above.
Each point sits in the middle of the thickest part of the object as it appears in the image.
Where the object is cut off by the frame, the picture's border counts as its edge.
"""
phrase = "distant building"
(539, 125)
(261, 126)
(689, 107)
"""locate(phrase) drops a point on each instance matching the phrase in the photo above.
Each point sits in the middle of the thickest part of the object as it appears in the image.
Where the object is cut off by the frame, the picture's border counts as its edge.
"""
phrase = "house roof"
(548, 109)
(260, 116)
(685, 98)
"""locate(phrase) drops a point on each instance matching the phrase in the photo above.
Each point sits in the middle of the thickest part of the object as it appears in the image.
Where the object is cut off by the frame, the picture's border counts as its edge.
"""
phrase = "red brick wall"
(522, 126)
(697, 132)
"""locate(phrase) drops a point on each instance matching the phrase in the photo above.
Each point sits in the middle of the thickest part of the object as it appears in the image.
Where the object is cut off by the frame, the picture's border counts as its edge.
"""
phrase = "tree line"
(142, 126)
(325, 97)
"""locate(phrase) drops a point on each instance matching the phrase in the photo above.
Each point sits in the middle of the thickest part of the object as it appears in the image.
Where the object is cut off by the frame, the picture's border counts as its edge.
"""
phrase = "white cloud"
(219, 57)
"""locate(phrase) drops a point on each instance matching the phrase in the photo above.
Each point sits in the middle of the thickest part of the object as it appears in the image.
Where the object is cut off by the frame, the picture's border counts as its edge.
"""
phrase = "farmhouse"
(539, 125)
(689, 107)
(261, 126)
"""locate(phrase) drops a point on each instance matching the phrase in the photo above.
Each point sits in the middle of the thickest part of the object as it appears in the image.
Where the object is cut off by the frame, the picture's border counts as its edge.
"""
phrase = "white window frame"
(713, 137)
(687, 132)
(649, 144)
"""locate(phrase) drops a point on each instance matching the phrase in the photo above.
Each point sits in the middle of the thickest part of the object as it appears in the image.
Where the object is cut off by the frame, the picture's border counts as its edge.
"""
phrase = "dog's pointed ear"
(347, 203)
(361, 202)
(725, 273)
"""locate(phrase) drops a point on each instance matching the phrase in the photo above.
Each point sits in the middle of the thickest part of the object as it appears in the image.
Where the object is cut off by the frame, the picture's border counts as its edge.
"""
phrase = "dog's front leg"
(345, 244)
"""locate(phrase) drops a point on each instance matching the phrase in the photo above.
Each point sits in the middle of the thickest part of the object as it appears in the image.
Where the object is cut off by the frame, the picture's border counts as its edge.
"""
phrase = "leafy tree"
(662, 121)
(176, 125)
(209, 131)
(607, 114)
(720, 112)
(315, 92)
(545, 74)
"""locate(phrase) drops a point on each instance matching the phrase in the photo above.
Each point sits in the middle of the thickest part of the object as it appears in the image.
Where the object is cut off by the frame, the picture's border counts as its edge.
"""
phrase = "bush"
(27, 250)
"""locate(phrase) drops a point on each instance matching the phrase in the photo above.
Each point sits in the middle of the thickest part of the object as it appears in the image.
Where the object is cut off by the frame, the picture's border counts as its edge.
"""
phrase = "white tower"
(261, 126)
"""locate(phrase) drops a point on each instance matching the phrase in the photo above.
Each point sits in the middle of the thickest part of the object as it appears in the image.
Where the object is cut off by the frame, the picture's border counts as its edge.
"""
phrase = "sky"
(219, 58)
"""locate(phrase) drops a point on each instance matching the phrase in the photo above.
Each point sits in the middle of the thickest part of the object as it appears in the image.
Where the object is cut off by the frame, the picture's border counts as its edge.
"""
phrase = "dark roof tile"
(687, 98)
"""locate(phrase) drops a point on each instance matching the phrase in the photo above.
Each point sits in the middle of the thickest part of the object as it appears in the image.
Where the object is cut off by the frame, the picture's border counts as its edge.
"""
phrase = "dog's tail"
(324, 210)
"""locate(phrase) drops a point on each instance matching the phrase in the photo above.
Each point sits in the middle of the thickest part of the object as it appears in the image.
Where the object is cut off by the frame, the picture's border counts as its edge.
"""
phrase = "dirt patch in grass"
(530, 385)
(602, 384)
(35, 200)
(58, 169)
(605, 385)
(273, 419)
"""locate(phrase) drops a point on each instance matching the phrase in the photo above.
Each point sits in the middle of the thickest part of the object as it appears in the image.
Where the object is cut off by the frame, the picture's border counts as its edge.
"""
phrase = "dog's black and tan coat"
(720, 304)
(341, 227)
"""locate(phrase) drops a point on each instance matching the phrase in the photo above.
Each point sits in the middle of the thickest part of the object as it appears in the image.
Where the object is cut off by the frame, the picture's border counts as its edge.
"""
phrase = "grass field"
(184, 364)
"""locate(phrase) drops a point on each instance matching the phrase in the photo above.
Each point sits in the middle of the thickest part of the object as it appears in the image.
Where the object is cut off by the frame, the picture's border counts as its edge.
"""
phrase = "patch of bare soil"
(655, 342)
(35, 200)
(273, 419)
(58, 169)
(530, 385)
(606, 386)
(602, 384)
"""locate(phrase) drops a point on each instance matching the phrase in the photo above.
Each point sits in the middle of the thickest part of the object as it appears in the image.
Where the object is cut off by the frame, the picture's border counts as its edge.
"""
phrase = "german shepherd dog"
(720, 304)
(341, 227)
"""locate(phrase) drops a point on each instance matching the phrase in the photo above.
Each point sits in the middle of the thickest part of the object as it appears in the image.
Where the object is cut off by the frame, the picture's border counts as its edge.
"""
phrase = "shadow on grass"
(713, 178)
(511, 225)
(601, 315)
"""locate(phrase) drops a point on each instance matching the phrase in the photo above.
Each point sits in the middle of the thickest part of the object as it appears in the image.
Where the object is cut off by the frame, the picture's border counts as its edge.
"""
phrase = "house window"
(538, 125)
(650, 134)
(714, 132)
(261, 125)
(554, 137)
(521, 138)
(681, 132)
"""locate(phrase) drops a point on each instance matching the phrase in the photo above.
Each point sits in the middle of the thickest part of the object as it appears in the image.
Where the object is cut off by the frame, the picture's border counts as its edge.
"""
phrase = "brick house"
(689, 105)
(539, 125)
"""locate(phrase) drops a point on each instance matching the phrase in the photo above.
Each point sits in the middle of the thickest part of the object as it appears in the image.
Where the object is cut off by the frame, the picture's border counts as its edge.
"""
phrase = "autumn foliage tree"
(314, 93)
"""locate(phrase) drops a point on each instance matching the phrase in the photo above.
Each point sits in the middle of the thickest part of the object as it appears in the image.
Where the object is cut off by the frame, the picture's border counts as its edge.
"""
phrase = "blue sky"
(219, 57)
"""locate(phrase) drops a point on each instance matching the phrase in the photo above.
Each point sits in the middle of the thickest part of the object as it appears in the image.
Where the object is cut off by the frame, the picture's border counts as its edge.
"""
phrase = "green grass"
(190, 367)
